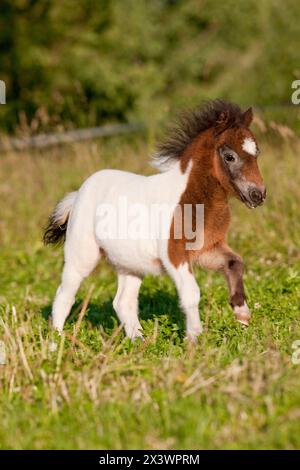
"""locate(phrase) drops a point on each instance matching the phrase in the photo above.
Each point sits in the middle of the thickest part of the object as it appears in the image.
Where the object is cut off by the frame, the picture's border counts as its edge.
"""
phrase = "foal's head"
(236, 154)
(217, 137)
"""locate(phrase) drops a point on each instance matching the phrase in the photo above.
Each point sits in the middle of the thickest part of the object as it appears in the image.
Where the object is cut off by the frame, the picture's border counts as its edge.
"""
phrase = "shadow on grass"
(151, 305)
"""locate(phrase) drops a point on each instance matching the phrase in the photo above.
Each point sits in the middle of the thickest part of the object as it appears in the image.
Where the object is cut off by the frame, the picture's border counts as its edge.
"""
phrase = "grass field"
(237, 388)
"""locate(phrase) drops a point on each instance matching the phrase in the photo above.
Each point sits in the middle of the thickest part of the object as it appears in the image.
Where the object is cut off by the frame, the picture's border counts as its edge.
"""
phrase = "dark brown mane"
(191, 123)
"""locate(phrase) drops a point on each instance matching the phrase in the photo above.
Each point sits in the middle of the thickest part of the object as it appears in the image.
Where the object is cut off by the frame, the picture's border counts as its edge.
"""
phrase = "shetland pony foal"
(210, 156)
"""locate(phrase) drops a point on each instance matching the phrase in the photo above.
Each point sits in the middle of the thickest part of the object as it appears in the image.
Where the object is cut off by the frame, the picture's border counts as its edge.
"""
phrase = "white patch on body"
(132, 258)
(137, 255)
(249, 146)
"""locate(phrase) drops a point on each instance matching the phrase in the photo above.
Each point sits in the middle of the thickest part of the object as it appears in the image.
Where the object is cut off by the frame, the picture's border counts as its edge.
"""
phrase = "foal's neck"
(203, 186)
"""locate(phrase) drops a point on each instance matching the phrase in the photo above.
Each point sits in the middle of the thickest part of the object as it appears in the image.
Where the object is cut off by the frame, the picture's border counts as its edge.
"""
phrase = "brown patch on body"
(210, 183)
(210, 140)
(202, 188)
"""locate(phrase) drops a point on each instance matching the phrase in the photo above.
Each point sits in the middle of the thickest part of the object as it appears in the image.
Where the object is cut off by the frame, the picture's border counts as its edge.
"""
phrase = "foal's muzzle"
(255, 196)
(251, 194)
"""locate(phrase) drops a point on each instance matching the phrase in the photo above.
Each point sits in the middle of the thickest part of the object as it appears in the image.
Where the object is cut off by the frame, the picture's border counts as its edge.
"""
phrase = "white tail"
(63, 208)
(57, 227)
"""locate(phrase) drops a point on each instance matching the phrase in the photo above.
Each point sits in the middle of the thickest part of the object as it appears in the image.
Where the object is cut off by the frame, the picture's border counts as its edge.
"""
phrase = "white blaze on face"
(249, 146)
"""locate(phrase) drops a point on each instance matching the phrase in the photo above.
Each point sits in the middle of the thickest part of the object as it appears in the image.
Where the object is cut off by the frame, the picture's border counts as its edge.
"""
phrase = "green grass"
(237, 388)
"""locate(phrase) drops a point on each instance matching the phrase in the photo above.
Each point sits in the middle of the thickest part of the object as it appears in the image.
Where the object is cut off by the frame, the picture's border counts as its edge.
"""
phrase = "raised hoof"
(243, 321)
(242, 314)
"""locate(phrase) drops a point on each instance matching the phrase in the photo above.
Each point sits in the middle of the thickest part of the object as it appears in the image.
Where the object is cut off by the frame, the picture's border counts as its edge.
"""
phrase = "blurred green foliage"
(81, 63)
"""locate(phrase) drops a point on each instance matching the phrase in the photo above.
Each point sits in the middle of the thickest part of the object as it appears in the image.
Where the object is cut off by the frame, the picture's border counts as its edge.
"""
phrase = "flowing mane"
(214, 113)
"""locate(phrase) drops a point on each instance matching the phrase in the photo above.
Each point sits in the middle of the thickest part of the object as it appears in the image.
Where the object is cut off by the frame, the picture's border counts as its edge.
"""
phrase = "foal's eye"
(229, 157)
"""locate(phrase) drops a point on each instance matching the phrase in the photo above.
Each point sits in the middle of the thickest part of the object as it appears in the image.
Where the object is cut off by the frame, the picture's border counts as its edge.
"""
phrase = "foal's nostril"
(256, 196)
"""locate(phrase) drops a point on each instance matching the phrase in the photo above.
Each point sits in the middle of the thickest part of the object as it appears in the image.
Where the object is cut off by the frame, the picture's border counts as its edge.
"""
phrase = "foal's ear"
(222, 123)
(247, 117)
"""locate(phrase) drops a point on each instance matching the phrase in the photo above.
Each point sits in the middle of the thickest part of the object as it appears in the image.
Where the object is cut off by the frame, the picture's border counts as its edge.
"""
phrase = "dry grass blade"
(7, 332)
(23, 356)
(14, 314)
(82, 312)
(197, 386)
(155, 331)
(77, 342)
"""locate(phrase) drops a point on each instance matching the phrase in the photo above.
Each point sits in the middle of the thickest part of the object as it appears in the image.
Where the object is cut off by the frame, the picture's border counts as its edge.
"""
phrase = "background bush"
(82, 63)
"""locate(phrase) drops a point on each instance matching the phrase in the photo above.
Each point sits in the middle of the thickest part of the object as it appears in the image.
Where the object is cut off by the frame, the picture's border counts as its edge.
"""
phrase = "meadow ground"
(237, 388)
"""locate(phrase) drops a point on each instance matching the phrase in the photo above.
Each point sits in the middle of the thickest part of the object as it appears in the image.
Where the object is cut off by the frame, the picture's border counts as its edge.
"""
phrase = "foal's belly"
(132, 256)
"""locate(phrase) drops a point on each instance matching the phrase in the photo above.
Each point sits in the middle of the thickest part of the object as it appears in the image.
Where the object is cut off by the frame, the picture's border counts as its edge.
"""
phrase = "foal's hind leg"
(79, 263)
(222, 258)
(126, 304)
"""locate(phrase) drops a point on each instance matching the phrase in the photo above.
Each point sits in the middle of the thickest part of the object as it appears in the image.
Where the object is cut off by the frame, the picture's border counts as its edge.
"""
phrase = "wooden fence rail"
(47, 140)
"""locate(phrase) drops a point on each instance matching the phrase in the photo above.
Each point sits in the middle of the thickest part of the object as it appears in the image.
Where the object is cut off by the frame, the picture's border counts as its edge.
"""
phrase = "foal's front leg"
(233, 271)
(222, 258)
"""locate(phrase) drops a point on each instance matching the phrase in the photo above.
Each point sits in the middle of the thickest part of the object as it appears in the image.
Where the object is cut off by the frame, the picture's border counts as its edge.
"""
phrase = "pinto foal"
(210, 156)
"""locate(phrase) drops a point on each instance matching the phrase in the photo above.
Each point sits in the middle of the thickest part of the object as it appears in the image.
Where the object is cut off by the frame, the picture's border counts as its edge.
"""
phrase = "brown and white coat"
(210, 156)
